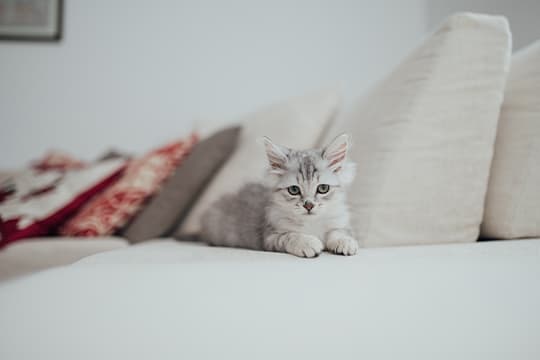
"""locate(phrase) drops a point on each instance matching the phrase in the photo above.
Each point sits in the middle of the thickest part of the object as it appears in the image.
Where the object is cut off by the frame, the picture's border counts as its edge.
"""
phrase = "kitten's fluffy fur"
(268, 217)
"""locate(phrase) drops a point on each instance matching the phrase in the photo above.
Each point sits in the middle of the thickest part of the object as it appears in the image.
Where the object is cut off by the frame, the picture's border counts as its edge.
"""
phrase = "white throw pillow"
(423, 138)
(513, 198)
(297, 123)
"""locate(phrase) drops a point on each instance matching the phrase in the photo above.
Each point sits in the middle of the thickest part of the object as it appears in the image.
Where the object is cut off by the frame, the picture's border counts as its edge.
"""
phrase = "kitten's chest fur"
(316, 225)
(319, 227)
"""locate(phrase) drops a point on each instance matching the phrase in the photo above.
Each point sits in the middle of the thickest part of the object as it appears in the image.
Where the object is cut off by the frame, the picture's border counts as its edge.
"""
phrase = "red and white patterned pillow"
(34, 202)
(118, 204)
(58, 160)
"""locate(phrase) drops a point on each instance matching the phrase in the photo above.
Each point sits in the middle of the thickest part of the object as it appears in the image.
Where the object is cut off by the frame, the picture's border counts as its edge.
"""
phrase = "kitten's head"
(309, 182)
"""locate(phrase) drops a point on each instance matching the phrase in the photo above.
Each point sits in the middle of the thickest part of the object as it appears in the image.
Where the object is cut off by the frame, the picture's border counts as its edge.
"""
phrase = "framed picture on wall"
(33, 20)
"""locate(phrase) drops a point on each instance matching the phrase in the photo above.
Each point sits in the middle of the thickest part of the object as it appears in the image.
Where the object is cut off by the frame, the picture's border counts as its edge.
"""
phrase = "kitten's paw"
(343, 245)
(304, 245)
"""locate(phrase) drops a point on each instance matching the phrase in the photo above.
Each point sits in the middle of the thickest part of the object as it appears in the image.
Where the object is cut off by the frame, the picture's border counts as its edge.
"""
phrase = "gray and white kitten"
(300, 209)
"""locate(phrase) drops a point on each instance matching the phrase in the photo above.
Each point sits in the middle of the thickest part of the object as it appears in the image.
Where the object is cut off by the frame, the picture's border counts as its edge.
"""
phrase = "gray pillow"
(168, 207)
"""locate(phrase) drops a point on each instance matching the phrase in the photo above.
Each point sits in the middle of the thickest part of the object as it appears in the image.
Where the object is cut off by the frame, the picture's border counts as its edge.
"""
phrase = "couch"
(171, 300)
(426, 283)
(35, 254)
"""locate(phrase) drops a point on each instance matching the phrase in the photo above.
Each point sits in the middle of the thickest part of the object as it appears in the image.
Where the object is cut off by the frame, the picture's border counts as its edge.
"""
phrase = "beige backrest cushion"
(297, 123)
(423, 138)
(513, 198)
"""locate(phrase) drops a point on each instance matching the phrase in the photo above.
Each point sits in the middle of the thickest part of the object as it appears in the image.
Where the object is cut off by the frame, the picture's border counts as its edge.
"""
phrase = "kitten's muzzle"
(308, 205)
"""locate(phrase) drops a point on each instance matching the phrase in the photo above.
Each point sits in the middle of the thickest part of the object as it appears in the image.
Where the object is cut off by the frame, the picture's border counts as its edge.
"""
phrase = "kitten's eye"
(293, 190)
(323, 188)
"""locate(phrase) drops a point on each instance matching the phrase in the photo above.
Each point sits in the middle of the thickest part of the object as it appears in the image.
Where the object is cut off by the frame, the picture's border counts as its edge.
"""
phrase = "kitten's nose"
(308, 205)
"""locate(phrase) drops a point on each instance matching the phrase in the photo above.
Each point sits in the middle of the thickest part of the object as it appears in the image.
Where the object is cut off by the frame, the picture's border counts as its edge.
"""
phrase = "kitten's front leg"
(340, 241)
(294, 243)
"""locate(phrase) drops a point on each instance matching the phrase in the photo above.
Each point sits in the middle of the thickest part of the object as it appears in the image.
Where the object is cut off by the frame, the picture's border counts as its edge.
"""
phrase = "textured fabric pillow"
(57, 160)
(114, 154)
(180, 191)
(513, 198)
(297, 123)
(423, 139)
(35, 202)
(113, 208)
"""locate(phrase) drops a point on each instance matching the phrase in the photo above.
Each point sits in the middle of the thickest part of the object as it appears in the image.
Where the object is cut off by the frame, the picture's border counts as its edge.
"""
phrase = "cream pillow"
(423, 138)
(297, 123)
(513, 198)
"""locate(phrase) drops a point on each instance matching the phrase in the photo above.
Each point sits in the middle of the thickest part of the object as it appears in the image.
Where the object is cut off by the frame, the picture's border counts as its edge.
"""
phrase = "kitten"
(301, 209)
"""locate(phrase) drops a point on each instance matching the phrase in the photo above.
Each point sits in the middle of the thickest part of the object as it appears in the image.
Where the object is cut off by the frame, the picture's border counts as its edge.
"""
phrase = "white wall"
(523, 15)
(133, 73)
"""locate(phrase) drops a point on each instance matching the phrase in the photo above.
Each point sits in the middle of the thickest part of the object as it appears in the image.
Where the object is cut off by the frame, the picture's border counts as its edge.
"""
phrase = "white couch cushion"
(513, 198)
(186, 301)
(28, 256)
(423, 138)
(297, 123)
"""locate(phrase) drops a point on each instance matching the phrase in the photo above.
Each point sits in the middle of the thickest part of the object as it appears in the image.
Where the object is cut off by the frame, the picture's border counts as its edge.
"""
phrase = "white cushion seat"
(31, 255)
(171, 300)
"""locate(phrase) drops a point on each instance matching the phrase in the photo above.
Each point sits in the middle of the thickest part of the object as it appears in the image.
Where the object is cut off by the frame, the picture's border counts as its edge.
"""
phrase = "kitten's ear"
(276, 154)
(336, 152)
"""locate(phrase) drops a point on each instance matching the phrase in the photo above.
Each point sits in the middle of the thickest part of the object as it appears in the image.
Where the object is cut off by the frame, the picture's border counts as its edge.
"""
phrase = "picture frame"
(31, 20)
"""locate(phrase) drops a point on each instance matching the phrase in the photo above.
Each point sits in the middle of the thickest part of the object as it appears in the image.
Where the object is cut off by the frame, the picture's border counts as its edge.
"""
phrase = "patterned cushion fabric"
(35, 202)
(143, 176)
(57, 160)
